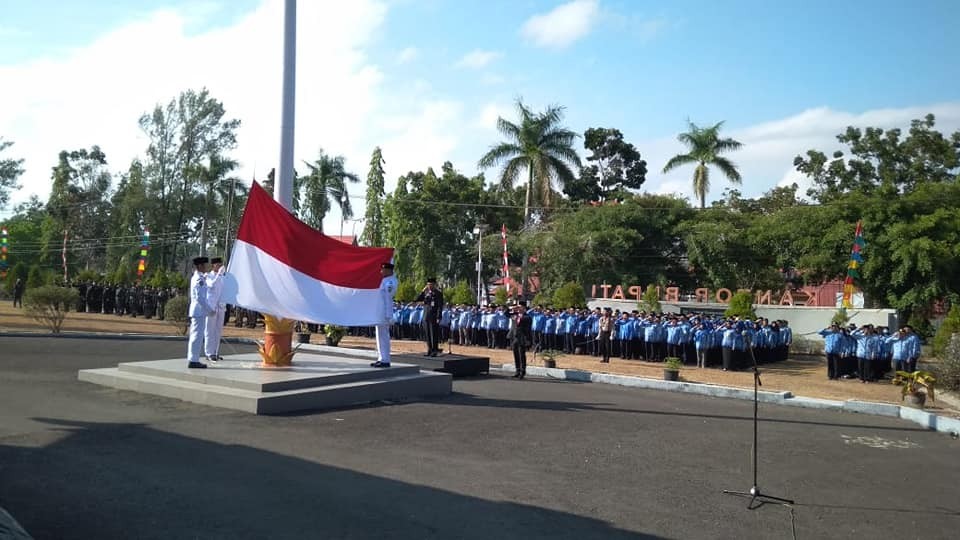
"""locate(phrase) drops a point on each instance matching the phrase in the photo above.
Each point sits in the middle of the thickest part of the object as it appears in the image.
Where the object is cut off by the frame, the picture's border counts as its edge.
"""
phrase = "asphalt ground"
(499, 458)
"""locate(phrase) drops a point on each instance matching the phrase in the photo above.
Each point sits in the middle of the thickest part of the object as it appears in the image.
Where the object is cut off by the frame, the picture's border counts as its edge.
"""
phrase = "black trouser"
(433, 335)
(833, 365)
(728, 358)
(520, 358)
(604, 342)
(18, 300)
(865, 369)
(568, 340)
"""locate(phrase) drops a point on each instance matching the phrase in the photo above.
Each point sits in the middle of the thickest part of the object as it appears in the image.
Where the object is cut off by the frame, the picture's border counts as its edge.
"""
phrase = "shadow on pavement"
(132, 481)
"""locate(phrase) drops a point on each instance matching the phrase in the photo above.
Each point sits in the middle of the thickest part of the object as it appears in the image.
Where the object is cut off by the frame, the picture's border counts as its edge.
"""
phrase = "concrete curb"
(128, 337)
(942, 424)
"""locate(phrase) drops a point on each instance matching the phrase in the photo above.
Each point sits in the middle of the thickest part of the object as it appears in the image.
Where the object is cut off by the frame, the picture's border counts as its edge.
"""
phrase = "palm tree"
(327, 181)
(705, 148)
(539, 145)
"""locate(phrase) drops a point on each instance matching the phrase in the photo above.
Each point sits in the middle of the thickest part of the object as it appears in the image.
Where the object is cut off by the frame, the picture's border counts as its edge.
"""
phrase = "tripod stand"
(755, 494)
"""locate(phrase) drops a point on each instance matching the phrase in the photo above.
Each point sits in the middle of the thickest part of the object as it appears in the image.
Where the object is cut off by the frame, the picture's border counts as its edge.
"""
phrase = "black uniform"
(520, 337)
(432, 310)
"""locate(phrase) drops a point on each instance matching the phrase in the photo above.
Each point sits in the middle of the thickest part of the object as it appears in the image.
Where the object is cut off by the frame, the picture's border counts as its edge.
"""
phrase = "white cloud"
(487, 119)
(766, 159)
(95, 93)
(563, 25)
(477, 58)
(407, 55)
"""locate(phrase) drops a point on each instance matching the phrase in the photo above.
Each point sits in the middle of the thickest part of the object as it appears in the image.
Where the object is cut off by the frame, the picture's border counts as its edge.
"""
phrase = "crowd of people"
(123, 300)
(868, 352)
(696, 339)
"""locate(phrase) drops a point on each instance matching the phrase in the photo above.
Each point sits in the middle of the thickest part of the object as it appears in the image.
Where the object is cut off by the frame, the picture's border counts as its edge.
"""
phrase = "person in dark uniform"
(432, 299)
(520, 337)
(162, 303)
(149, 303)
(18, 288)
(108, 298)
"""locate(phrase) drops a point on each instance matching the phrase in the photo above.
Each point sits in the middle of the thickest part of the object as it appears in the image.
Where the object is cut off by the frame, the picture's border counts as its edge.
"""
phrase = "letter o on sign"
(723, 296)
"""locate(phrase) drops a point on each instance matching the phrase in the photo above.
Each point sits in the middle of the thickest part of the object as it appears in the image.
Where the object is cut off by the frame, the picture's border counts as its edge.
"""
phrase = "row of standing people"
(132, 300)
(869, 352)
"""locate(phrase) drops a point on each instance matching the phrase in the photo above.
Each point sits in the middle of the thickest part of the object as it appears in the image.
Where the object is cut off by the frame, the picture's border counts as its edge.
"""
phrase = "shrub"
(48, 304)
(741, 305)
(650, 301)
(948, 371)
(500, 296)
(921, 326)
(949, 327)
(88, 275)
(542, 299)
(406, 292)
(175, 313)
(570, 295)
(461, 293)
(35, 278)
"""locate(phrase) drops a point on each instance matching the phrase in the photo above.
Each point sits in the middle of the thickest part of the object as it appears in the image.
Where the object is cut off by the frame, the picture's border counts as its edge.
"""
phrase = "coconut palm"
(705, 147)
(539, 146)
(327, 181)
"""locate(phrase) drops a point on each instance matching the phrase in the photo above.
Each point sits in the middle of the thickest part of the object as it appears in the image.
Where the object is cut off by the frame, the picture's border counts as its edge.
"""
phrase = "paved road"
(498, 459)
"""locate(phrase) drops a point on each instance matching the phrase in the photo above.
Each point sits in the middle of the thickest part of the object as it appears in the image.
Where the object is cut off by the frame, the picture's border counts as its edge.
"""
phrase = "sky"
(426, 80)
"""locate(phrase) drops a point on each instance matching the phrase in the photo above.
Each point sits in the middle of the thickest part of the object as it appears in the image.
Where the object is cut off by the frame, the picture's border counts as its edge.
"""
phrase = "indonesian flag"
(283, 267)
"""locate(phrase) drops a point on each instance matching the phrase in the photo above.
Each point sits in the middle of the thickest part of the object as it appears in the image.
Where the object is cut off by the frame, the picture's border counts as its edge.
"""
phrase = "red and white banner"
(282, 266)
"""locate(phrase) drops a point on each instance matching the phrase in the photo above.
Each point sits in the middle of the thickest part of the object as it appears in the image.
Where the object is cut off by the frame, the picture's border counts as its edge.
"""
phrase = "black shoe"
(379, 364)
(516, 375)
(196, 365)
(522, 375)
(428, 354)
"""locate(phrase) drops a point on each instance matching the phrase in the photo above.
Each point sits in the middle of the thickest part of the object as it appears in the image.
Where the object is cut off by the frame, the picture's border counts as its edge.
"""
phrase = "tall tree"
(373, 219)
(540, 146)
(327, 181)
(705, 149)
(616, 168)
(10, 170)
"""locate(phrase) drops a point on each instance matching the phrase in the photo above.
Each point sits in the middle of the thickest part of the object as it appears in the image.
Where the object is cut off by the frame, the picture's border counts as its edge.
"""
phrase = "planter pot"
(671, 375)
(916, 400)
(303, 337)
(332, 342)
(550, 363)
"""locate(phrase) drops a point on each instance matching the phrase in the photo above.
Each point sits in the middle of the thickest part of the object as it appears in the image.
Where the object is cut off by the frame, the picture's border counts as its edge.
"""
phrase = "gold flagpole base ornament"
(276, 349)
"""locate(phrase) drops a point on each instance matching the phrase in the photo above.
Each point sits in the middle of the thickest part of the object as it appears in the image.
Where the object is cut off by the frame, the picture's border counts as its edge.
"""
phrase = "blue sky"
(426, 79)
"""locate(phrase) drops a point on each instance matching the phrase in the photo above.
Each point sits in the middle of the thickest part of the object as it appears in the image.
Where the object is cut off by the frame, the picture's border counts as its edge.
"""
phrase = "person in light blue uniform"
(446, 319)
(550, 330)
(539, 321)
(569, 330)
(625, 329)
(503, 326)
(832, 347)
(906, 348)
(584, 337)
(868, 346)
(702, 337)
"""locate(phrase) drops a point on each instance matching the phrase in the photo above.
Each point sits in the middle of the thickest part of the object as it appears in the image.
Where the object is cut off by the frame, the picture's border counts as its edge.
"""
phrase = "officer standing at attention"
(520, 337)
(199, 310)
(213, 328)
(388, 288)
(432, 299)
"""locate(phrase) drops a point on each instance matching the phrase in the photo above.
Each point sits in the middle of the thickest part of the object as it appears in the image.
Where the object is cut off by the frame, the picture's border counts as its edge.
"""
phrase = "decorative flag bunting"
(144, 248)
(4, 243)
(506, 265)
(853, 267)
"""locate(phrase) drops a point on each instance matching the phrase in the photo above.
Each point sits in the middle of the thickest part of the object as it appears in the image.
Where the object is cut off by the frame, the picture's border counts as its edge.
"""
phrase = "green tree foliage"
(948, 371)
(705, 148)
(741, 305)
(406, 291)
(724, 250)
(10, 170)
(569, 295)
(650, 301)
(49, 305)
(18, 271)
(373, 227)
(538, 145)
(615, 168)
(949, 327)
(35, 277)
(326, 182)
(542, 299)
(461, 293)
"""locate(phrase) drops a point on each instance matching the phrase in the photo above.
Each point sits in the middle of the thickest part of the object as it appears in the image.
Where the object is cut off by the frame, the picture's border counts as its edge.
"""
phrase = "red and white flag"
(506, 263)
(283, 267)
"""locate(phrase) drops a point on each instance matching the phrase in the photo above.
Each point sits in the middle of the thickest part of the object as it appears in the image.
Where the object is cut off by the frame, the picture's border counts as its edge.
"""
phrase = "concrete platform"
(458, 365)
(241, 382)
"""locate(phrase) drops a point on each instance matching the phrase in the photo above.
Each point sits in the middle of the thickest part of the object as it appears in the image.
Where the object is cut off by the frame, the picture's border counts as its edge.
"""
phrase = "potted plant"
(303, 333)
(334, 334)
(671, 368)
(550, 357)
(916, 386)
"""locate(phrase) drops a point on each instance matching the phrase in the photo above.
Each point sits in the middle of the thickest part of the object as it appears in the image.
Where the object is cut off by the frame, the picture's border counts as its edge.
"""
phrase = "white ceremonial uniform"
(388, 288)
(199, 309)
(214, 325)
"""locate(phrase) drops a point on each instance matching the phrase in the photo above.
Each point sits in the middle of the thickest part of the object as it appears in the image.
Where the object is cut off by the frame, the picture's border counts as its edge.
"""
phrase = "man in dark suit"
(520, 337)
(432, 299)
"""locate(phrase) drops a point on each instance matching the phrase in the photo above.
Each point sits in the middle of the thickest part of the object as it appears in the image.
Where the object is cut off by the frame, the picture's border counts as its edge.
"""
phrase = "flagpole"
(283, 190)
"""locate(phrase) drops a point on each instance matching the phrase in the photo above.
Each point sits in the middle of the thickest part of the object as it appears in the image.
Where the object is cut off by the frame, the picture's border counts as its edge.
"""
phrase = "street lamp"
(478, 230)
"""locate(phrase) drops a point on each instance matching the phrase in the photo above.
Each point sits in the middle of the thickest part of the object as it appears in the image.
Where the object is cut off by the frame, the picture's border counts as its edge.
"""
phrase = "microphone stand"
(755, 494)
